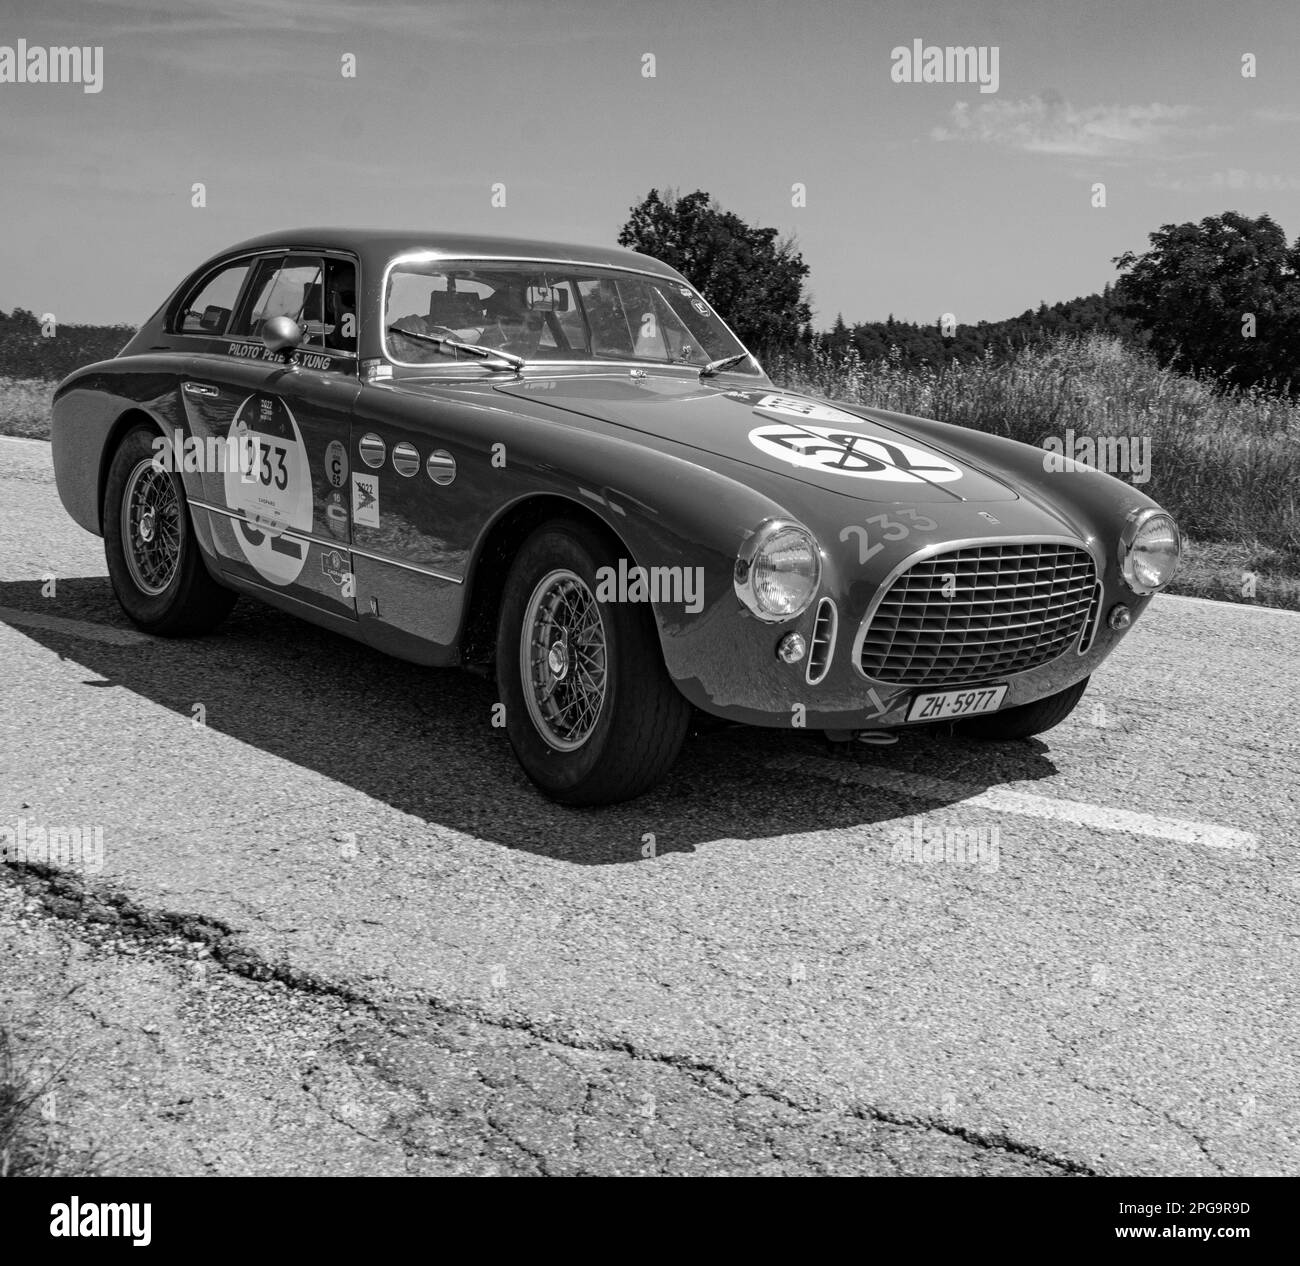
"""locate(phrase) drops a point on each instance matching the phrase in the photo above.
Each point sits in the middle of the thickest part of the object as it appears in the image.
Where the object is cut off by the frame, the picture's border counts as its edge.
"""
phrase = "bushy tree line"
(928, 344)
(1219, 298)
(27, 352)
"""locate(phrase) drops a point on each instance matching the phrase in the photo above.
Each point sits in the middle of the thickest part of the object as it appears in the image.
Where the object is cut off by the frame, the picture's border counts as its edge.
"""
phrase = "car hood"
(777, 431)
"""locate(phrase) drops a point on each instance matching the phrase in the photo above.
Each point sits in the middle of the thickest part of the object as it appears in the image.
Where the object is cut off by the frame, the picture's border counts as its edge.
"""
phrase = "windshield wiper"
(511, 361)
(717, 366)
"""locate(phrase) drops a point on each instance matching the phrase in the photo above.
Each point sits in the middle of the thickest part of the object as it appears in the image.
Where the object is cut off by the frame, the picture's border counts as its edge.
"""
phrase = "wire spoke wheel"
(151, 524)
(563, 660)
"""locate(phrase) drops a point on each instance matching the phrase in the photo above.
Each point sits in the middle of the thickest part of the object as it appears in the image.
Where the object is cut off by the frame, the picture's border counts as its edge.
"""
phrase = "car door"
(277, 499)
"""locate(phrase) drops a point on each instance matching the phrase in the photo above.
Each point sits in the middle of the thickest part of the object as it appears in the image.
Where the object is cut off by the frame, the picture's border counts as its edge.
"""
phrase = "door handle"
(199, 389)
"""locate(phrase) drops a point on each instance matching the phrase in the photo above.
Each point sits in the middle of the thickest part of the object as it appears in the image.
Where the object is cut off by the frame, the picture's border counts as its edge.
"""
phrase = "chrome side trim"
(408, 566)
(330, 542)
(942, 547)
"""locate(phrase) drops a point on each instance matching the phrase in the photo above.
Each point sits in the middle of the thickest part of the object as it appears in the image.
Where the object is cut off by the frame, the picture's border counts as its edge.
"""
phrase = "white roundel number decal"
(822, 437)
(843, 452)
(273, 489)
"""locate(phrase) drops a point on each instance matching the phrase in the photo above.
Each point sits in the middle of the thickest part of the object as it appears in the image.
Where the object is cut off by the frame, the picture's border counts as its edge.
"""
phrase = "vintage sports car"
(558, 463)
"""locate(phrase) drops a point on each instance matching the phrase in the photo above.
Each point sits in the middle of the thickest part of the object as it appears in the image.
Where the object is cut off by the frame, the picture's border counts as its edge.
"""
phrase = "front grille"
(1007, 608)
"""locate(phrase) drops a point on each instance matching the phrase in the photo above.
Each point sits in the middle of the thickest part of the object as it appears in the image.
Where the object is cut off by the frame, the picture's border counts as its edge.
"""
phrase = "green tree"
(1198, 286)
(753, 277)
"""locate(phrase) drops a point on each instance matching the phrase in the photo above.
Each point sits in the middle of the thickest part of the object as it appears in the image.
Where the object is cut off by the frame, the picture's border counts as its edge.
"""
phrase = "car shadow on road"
(421, 740)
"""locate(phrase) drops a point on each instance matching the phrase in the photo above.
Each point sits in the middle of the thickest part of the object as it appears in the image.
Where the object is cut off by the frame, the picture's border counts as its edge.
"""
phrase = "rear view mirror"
(214, 318)
(547, 299)
(281, 334)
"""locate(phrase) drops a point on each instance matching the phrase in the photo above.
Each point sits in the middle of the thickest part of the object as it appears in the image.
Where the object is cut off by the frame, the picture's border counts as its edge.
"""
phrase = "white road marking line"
(1221, 604)
(1002, 800)
(76, 628)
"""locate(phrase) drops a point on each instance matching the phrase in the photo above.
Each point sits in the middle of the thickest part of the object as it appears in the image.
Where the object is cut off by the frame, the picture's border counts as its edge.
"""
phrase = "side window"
(341, 305)
(289, 286)
(208, 308)
(644, 320)
(682, 346)
(610, 334)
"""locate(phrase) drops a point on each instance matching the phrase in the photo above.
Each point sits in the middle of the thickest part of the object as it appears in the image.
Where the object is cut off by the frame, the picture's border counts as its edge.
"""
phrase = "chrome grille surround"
(1019, 603)
(821, 647)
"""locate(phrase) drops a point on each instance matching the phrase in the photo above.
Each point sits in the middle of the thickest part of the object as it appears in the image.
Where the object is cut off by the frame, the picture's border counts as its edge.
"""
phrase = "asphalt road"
(1107, 986)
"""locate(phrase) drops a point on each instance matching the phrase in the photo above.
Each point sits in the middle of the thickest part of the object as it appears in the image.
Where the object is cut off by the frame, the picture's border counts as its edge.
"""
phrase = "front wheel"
(153, 557)
(590, 710)
(1028, 719)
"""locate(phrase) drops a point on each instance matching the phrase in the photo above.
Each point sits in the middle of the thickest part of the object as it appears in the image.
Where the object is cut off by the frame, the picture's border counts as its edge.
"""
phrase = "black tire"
(641, 720)
(1026, 720)
(164, 590)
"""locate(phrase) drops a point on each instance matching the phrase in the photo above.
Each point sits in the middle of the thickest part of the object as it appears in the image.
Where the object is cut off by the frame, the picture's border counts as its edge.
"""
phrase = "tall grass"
(1225, 462)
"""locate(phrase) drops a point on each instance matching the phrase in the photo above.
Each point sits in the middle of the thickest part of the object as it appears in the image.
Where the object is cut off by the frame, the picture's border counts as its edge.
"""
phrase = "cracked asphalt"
(335, 929)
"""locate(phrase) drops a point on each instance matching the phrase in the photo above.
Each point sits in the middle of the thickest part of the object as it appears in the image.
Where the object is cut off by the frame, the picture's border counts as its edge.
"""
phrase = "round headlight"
(1150, 548)
(778, 570)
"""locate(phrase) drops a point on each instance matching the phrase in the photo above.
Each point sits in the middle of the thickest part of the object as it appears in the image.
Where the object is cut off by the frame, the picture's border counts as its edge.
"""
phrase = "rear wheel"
(590, 710)
(153, 557)
(1026, 720)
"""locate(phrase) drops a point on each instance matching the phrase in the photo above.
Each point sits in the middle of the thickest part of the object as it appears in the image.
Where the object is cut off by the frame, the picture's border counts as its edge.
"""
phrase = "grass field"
(1225, 463)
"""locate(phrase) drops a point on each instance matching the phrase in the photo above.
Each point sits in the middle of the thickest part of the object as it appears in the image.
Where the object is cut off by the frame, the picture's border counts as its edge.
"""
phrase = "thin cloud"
(1271, 114)
(254, 18)
(1049, 125)
(1234, 179)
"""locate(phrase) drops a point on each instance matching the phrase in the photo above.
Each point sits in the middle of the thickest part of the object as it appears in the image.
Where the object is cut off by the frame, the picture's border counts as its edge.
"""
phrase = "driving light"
(1120, 616)
(778, 570)
(1150, 548)
(790, 649)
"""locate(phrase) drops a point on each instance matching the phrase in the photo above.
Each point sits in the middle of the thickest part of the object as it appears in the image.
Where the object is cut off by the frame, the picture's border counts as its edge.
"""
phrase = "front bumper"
(726, 664)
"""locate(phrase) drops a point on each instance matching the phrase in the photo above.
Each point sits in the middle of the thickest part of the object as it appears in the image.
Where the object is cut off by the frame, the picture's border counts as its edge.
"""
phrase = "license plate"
(946, 704)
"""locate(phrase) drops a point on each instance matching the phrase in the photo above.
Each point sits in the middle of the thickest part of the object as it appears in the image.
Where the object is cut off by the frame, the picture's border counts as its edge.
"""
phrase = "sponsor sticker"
(336, 516)
(365, 500)
(272, 490)
(336, 464)
(776, 406)
(334, 565)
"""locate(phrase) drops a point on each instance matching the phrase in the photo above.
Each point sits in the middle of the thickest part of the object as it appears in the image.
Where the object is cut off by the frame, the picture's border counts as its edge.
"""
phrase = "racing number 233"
(266, 462)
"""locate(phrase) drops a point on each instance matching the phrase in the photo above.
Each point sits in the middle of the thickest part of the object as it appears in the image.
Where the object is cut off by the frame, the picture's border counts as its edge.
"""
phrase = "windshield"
(551, 312)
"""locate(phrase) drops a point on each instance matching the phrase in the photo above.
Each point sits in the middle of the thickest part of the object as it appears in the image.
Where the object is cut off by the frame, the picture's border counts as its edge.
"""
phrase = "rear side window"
(288, 286)
(209, 307)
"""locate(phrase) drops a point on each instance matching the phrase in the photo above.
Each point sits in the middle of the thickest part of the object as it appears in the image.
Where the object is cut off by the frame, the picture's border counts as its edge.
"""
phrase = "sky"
(920, 199)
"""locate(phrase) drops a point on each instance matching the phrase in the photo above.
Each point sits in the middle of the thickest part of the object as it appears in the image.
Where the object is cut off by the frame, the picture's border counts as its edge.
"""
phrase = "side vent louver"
(822, 650)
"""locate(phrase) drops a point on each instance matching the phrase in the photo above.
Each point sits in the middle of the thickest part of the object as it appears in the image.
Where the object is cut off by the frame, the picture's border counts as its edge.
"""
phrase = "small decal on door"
(365, 500)
(335, 566)
(336, 464)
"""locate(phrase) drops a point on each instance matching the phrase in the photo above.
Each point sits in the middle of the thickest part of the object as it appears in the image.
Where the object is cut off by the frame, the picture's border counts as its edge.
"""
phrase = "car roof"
(378, 246)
